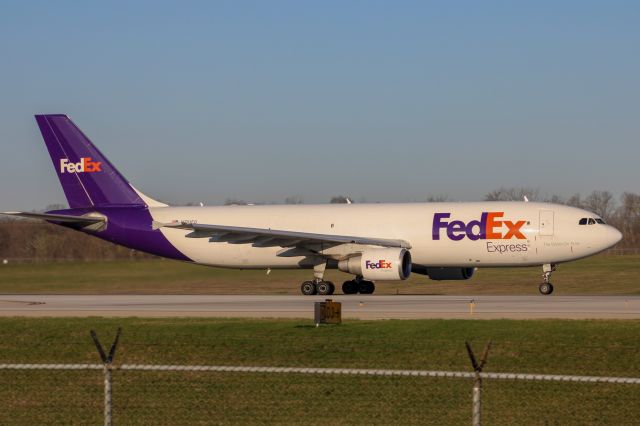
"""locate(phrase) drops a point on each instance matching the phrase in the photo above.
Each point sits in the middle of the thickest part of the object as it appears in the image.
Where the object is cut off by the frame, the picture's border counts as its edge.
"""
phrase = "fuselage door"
(546, 222)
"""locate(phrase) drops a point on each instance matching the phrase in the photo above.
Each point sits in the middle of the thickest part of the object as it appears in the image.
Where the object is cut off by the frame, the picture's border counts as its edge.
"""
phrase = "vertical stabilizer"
(87, 177)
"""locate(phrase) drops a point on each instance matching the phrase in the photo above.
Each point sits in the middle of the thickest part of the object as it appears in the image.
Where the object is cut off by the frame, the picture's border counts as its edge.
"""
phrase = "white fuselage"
(440, 234)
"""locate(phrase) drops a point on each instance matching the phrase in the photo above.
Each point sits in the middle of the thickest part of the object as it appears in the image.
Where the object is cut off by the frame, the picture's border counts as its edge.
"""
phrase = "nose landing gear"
(546, 287)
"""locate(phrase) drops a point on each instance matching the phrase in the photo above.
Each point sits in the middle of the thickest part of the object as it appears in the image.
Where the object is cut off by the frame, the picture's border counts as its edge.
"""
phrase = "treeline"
(39, 241)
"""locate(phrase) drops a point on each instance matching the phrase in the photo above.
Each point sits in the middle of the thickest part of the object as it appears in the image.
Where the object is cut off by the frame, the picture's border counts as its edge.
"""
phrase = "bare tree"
(575, 200)
(437, 198)
(340, 199)
(627, 219)
(513, 194)
(234, 202)
(51, 207)
(556, 199)
(601, 203)
(293, 199)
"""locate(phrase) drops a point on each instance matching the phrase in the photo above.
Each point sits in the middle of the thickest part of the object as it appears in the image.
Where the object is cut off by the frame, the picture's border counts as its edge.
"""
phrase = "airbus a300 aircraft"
(445, 241)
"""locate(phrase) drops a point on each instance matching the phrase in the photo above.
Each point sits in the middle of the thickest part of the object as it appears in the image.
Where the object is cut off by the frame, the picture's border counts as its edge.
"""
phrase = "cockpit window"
(590, 221)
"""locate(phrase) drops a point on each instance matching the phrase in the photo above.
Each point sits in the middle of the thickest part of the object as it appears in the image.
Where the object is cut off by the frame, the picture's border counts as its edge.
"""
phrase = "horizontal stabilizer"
(58, 217)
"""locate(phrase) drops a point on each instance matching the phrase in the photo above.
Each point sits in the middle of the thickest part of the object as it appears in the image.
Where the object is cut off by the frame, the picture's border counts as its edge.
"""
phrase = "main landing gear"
(546, 287)
(358, 285)
(317, 286)
(326, 288)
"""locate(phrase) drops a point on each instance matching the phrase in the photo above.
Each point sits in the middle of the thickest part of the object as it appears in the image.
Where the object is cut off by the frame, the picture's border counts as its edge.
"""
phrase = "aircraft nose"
(613, 235)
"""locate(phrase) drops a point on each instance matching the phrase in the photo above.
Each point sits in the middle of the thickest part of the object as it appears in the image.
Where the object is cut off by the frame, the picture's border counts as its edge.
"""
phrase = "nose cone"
(613, 236)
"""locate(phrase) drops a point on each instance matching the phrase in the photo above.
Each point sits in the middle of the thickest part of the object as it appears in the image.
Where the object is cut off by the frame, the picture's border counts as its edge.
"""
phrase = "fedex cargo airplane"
(444, 241)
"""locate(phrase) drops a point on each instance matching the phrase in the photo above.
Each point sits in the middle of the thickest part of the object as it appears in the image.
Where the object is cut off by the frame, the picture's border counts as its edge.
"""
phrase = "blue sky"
(383, 101)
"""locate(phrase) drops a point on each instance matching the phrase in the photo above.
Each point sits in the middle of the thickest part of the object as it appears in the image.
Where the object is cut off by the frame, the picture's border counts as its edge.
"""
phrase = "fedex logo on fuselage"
(380, 264)
(489, 227)
(86, 165)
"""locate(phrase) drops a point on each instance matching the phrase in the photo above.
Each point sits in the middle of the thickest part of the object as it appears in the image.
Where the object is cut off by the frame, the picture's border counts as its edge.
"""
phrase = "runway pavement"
(355, 306)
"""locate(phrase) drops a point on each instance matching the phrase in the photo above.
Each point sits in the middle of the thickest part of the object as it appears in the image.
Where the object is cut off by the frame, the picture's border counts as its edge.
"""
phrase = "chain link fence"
(164, 394)
(126, 393)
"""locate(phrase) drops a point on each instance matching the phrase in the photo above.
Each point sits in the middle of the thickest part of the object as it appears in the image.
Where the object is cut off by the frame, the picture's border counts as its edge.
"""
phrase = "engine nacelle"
(443, 274)
(379, 264)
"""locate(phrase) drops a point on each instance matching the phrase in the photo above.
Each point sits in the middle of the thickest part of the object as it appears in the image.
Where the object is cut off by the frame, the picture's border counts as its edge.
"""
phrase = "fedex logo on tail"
(86, 165)
(489, 227)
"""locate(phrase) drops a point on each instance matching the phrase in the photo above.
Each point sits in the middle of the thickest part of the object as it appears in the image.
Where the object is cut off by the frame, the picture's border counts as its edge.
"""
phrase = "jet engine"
(379, 264)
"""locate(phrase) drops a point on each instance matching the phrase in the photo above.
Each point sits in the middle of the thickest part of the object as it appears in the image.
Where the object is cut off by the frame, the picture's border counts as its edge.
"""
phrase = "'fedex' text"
(489, 227)
(380, 264)
(86, 165)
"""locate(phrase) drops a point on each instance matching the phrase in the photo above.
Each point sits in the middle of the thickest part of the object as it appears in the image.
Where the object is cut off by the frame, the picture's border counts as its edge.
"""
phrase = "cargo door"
(546, 222)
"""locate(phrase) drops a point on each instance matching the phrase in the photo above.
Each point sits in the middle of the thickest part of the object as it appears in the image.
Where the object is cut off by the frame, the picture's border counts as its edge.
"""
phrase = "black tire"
(366, 287)
(350, 287)
(332, 288)
(308, 288)
(546, 288)
(323, 288)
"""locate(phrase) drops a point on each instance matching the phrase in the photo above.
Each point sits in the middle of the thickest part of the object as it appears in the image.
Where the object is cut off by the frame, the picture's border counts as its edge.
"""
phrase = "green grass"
(596, 275)
(553, 347)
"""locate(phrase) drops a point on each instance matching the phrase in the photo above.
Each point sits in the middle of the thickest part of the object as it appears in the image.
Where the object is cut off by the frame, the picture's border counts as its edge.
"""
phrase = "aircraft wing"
(265, 237)
(86, 220)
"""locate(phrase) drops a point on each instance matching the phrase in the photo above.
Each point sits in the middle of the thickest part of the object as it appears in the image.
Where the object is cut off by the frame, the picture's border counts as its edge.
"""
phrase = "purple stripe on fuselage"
(131, 227)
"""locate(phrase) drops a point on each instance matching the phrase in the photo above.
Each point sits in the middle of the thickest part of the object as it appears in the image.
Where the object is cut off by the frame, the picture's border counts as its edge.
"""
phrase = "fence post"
(476, 415)
(107, 360)
(476, 409)
(107, 395)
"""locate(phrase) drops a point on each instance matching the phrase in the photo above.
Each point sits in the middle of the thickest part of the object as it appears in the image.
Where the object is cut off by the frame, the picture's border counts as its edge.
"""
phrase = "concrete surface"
(355, 306)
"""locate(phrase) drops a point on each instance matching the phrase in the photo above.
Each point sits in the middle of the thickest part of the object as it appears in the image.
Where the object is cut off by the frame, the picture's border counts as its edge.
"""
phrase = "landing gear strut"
(546, 287)
(318, 285)
(358, 285)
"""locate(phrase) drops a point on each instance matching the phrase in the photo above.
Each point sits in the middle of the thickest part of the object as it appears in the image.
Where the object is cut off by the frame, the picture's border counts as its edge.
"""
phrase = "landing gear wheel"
(366, 287)
(308, 288)
(350, 287)
(325, 288)
(546, 288)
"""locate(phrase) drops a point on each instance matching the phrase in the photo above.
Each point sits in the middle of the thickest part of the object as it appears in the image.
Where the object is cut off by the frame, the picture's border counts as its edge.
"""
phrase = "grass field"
(596, 275)
(555, 347)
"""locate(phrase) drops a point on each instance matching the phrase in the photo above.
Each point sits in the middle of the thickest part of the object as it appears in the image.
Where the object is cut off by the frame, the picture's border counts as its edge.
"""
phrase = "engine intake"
(379, 264)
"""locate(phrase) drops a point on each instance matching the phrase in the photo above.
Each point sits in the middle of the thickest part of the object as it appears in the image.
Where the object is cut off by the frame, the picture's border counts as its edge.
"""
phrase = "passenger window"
(583, 221)
(591, 221)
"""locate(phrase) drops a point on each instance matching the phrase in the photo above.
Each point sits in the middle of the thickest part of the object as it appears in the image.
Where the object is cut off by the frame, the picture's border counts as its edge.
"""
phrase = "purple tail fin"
(87, 177)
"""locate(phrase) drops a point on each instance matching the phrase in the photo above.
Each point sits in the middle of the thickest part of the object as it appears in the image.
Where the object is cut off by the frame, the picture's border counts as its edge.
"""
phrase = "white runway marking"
(355, 306)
